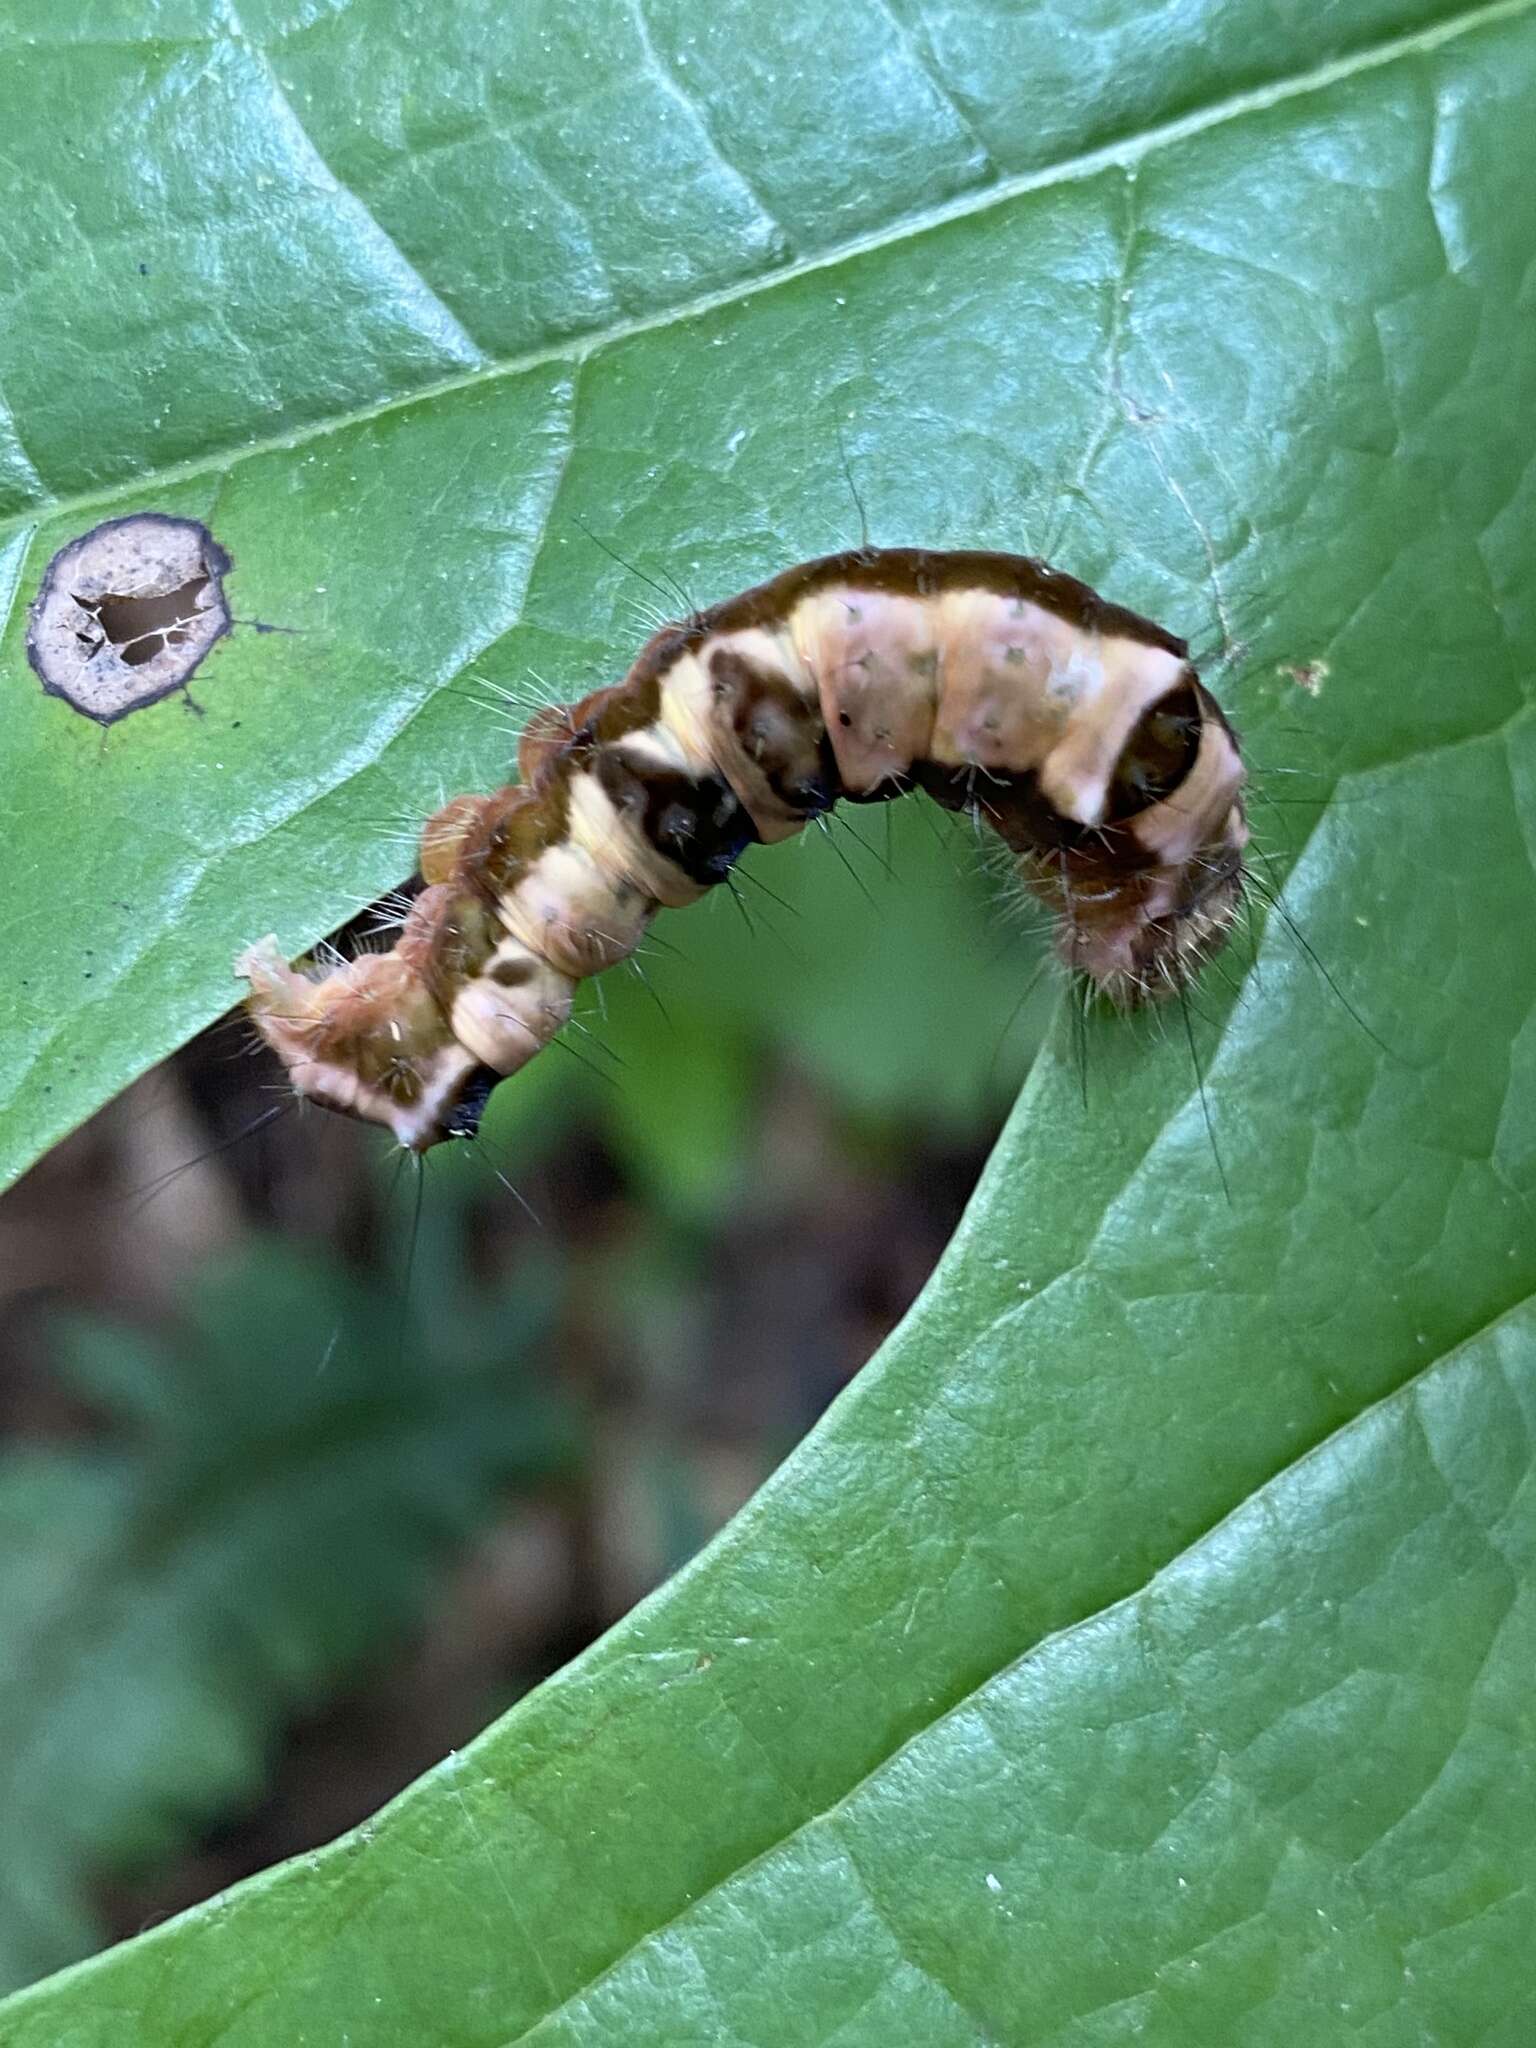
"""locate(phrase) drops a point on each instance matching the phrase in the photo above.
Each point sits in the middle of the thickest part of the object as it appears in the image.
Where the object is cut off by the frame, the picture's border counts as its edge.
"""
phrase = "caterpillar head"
(1149, 892)
(368, 1038)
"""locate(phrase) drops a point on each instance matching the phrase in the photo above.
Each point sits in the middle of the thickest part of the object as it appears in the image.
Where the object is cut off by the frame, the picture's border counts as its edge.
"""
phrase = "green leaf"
(316, 334)
(1141, 1648)
(275, 1500)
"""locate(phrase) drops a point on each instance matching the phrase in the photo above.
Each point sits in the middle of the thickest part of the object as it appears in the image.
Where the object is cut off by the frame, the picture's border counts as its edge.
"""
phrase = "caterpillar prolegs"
(1077, 730)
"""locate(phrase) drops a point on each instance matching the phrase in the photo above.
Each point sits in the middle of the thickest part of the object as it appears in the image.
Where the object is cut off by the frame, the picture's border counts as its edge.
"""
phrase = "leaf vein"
(1077, 168)
(455, 331)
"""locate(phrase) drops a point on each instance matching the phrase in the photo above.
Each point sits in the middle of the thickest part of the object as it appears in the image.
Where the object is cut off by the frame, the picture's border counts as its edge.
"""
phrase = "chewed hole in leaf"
(139, 627)
(126, 613)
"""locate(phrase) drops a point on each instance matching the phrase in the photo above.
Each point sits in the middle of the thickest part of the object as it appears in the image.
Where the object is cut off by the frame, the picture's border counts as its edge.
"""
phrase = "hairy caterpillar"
(1076, 729)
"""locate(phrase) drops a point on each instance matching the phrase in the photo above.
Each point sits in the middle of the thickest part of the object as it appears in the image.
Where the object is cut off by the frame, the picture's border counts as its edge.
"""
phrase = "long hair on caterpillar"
(1078, 731)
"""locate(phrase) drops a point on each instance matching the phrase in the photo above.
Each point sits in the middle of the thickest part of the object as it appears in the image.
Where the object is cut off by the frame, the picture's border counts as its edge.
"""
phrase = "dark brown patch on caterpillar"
(1077, 730)
(778, 731)
(1158, 755)
(698, 823)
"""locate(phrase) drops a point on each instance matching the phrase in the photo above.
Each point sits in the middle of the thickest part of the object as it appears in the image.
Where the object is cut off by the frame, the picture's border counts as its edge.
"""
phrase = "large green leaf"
(304, 274)
(1141, 1649)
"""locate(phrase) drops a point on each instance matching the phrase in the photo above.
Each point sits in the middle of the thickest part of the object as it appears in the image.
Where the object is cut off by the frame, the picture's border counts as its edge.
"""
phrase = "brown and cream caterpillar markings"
(1077, 730)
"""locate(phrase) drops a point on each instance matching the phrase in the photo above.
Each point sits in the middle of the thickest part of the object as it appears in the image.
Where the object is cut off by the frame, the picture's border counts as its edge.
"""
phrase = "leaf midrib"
(1317, 1448)
(577, 349)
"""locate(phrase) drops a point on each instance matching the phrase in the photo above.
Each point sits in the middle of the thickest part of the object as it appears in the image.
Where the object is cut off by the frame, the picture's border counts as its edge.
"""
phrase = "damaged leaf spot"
(126, 613)
(1307, 675)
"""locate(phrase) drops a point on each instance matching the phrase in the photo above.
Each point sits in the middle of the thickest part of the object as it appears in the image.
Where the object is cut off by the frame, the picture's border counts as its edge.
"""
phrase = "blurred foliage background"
(311, 1468)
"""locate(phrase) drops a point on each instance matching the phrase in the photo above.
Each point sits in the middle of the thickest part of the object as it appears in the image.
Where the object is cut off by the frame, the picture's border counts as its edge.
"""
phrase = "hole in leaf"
(139, 627)
(126, 613)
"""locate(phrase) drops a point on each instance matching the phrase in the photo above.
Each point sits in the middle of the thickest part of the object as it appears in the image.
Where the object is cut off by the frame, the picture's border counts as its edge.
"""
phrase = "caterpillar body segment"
(1078, 730)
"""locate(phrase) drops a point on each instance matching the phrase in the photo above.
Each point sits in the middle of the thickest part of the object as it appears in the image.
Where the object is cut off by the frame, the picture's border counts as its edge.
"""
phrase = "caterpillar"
(1077, 730)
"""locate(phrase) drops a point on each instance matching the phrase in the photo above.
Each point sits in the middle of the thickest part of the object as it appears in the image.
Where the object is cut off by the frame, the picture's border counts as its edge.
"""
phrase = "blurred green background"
(310, 1469)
